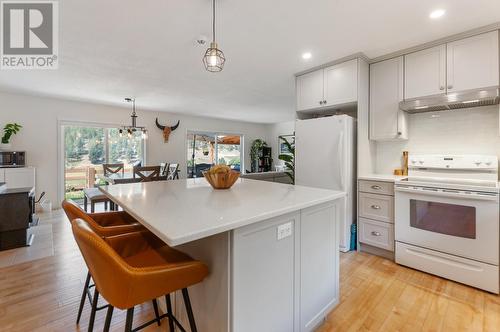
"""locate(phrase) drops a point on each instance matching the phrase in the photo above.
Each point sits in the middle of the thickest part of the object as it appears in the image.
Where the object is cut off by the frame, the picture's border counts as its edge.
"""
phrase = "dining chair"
(130, 269)
(164, 169)
(147, 173)
(173, 172)
(113, 168)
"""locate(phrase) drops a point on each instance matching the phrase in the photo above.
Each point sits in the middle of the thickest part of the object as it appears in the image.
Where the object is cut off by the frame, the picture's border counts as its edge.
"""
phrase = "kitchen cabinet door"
(425, 72)
(2, 175)
(341, 83)
(387, 121)
(310, 90)
(473, 62)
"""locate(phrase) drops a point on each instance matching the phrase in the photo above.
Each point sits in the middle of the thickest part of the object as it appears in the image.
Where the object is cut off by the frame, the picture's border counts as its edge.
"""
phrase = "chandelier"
(214, 58)
(130, 130)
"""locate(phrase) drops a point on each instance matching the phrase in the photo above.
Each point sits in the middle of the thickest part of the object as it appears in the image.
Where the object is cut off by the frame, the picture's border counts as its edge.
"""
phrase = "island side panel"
(263, 264)
(210, 298)
(317, 252)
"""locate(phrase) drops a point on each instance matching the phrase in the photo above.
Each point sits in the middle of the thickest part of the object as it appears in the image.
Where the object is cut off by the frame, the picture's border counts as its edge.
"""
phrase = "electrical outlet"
(284, 231)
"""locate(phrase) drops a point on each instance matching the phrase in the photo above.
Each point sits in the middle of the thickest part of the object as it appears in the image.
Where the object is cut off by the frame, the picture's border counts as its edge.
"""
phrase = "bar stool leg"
(157, 312)
(189, 310)
(130, 318)
(93, 311)
(169, 312)
(85, 203)
(82, 301)
(109, 315)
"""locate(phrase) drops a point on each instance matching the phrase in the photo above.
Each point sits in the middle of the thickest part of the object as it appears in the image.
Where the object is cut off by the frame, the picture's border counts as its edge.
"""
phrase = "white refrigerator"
(325, 157)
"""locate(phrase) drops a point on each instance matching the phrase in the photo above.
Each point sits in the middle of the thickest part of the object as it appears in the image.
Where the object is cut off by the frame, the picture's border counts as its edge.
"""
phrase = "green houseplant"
(9, 130)
(254, 153)
(288, 158)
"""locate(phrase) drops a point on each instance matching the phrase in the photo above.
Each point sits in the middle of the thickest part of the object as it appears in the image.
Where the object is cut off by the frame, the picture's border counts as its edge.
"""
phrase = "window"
(87, 148)
(207, 149)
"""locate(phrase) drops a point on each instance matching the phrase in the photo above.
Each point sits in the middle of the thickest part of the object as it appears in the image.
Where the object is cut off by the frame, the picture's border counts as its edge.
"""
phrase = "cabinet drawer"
(378, 207)
(376, 187)
(377, 234)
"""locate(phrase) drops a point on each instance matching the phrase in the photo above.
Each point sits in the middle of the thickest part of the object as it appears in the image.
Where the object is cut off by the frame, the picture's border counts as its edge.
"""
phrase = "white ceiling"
(114, 48)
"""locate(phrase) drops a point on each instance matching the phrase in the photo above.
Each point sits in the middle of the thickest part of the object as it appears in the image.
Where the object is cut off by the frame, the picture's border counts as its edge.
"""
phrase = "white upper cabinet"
(310, 90)
(387, 121)
(23, 177)
(341, 83)
(425, 72)
(473, 62)
(324, 88)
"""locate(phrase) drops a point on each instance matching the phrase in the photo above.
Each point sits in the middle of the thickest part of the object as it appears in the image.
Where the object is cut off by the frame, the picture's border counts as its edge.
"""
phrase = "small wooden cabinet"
(473, 62)
(425, 72)
(387, 121)
(331, 86)
(376, 217)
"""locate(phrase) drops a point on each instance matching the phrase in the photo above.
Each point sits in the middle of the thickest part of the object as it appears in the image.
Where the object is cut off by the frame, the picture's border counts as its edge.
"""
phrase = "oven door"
(453, 222)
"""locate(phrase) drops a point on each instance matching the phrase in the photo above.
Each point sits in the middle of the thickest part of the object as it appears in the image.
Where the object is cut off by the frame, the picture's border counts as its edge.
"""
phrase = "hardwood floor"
(376, 295)
(379, 295)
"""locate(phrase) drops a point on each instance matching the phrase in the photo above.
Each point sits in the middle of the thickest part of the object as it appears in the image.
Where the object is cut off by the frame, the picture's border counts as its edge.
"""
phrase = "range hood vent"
(451, 101)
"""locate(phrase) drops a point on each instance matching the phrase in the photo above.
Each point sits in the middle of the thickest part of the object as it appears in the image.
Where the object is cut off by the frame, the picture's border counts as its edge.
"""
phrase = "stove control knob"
(413, 161)
(421, 162)
(488, 163)
(477, 163)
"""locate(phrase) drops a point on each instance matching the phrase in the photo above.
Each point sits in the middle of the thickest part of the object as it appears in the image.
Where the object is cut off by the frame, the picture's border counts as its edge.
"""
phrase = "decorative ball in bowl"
(221, 176)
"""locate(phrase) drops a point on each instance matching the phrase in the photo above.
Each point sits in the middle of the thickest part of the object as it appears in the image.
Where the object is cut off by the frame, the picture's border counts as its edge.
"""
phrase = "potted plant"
(254, 154)
(9, 130)
(289, 158)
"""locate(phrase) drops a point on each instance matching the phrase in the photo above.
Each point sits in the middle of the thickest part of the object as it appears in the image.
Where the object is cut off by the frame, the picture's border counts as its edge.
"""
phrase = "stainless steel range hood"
(450, 101)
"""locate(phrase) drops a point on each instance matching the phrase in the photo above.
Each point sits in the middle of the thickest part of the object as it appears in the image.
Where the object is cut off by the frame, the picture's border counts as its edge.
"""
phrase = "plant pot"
(5, 147)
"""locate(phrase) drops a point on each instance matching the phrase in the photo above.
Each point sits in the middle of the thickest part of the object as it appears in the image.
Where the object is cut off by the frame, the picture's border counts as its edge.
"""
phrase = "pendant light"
(214, 58)
(133, 128)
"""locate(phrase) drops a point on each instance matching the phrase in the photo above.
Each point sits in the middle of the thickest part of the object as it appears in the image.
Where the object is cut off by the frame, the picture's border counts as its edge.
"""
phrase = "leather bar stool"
(104, 224)
(130, 269)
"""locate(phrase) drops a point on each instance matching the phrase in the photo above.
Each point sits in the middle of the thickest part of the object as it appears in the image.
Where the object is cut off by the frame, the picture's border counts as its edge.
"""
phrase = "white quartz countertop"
(182, 211)
(382, 177)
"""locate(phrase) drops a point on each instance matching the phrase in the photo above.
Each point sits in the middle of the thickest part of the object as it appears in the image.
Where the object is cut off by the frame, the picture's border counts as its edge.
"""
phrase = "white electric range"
(447, 218)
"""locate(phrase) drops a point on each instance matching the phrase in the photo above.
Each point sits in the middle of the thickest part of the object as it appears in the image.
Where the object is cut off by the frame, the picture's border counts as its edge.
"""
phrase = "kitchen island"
(272, 249)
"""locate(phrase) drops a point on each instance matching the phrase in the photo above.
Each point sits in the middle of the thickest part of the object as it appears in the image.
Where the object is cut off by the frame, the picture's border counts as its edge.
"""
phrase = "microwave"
(12, 159)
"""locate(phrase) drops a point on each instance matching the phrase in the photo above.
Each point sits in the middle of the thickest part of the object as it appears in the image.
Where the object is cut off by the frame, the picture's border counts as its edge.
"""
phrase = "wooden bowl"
(221, 180)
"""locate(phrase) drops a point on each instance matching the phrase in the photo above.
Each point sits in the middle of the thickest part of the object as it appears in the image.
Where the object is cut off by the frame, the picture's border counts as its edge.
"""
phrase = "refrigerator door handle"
(340, 152)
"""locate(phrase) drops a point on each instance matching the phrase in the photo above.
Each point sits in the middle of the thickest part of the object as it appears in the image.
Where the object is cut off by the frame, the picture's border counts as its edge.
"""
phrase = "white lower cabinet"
(2, 175)
(23, 177)
(286, 267)
(376, 215)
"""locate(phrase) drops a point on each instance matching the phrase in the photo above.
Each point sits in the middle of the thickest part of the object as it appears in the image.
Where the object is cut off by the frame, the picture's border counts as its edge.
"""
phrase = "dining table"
(125, 177)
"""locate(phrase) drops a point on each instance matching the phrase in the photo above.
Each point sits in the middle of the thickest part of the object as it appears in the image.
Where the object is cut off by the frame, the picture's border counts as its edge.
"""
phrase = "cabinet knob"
(450, 87)
(376, 207)
(374, 233)
(400, 133)
(321, 102)
(376, 187)
(441, 87)
(324, 101)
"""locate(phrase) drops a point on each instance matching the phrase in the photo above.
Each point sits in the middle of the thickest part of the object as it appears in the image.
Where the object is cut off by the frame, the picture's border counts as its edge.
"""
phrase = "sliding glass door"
(86, 148)
(205, 149)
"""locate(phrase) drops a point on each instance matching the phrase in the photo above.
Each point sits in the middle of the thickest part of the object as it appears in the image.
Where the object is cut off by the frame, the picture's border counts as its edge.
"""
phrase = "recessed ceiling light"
(437, 13)
(306, 55)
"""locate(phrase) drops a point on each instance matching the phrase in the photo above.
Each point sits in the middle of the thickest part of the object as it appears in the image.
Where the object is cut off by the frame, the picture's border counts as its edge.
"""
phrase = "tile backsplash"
(466, 131)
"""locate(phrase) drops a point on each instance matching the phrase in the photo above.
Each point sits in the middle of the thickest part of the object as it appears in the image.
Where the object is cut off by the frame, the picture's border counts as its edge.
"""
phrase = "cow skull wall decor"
(167, 129)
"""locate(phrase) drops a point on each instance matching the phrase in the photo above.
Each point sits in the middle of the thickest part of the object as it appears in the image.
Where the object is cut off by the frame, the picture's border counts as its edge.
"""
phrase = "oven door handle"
(444, 193)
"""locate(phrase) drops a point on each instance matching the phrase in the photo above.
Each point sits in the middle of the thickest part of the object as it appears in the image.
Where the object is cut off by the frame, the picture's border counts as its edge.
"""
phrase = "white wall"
(40, 119)
(276, 130)
(466, 131)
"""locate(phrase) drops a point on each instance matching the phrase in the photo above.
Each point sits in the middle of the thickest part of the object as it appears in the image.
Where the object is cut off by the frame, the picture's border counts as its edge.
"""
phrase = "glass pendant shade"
(214, 59)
